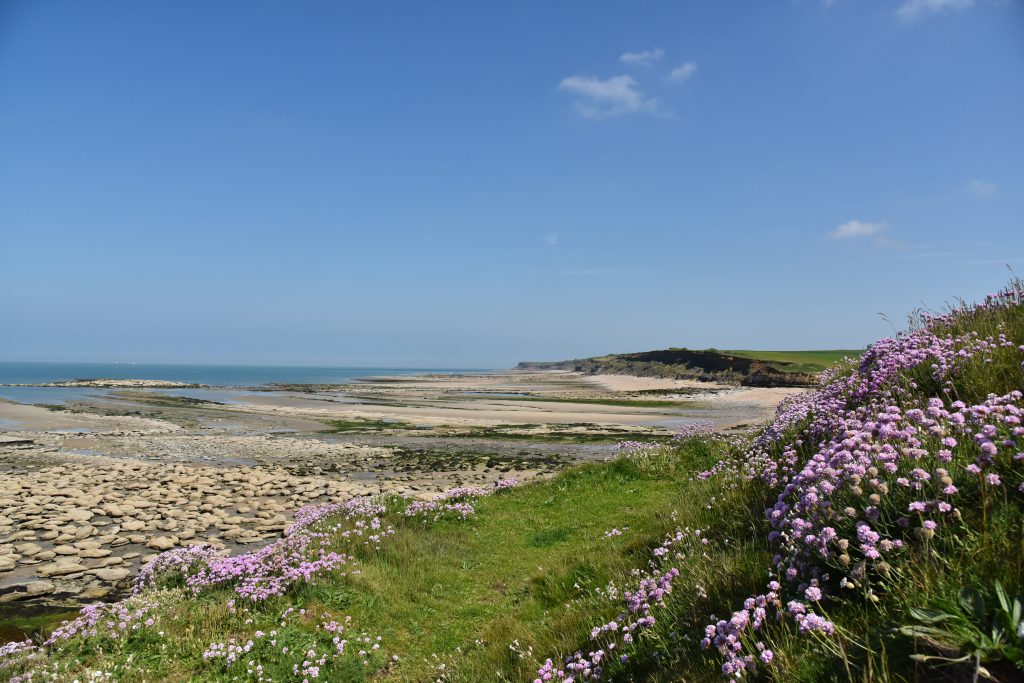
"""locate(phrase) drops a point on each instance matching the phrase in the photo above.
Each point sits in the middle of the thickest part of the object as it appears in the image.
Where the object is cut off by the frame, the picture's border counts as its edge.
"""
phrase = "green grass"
(525, 570)
(457, 592)
(512, 567)
(798, 361)
(491, 597)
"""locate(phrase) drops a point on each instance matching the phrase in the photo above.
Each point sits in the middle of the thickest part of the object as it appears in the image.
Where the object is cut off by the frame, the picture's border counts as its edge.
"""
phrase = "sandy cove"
(89, 494)
(518, 397)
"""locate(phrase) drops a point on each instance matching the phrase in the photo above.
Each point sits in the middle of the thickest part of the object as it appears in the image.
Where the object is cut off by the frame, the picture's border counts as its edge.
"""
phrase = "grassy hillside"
(874, 531)
(751, 368)
(799, 361)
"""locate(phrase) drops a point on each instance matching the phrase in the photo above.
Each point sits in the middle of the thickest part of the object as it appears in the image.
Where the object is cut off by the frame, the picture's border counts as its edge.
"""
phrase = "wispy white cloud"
(911, 10)
(551, 238)
(645, 58)
(982, 188)
(601, 98)
(853, 229)
(683, 72)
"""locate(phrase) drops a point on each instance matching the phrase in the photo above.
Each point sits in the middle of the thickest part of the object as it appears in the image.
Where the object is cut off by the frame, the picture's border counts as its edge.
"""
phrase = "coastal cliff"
(707, 365)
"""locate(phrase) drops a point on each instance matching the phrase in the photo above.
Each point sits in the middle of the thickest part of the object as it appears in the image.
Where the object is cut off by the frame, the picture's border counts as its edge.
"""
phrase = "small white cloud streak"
(911, 10)
(683, 72)
(608, 97)
(982, 189)
(551, 238)
(645, 58)
(854, 229)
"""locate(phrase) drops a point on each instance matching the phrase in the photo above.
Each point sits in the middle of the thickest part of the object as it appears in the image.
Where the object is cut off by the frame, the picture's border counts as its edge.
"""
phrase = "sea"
(227, 382)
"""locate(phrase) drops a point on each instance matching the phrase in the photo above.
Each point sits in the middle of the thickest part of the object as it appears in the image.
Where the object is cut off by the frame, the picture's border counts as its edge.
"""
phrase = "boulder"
(161, 543)
(111, 574)
(61, 568)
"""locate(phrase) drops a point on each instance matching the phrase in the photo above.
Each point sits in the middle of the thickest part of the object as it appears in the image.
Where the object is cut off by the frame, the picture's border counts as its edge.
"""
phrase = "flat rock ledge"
(80, 531)
(116, 384)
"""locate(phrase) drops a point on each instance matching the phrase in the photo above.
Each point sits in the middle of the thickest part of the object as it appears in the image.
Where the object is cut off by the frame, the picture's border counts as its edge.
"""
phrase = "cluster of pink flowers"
(229, 651)
(435, 509)
(112, 620)
(178, 561)
(698, 428)
(610, 639)
(728, 636)
(298, 557)
(19, 654)
(634, 449)
(464, 492)
(863, 466)
(890, 470)
(255, 652)
(311, 514)
(269, 571)
(257, 575)
(456, 502)
(367, 533)
(505, 484)
(353, 508)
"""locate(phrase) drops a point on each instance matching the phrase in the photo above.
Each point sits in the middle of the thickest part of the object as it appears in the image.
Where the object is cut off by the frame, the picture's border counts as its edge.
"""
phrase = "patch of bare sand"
(473, 400)
(761, 397)
(478, 412)
(21, 417)
(631, 383)
(709, 393)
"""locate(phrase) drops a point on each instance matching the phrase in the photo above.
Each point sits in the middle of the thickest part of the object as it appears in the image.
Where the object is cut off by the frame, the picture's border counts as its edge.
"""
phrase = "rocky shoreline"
(79, 530)
(115, 384)
(91, 490)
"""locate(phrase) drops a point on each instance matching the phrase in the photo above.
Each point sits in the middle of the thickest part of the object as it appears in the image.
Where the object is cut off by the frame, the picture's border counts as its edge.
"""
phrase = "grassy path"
(470, 588)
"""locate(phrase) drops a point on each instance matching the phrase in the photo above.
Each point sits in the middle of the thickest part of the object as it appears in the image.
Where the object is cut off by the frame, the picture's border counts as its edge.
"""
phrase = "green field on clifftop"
(798, 361)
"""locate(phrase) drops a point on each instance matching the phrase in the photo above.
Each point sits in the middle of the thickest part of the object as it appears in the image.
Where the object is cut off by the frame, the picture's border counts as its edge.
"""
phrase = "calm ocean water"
(213, 375)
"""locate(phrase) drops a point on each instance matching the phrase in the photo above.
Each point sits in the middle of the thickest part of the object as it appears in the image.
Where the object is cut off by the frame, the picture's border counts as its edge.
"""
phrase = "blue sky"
(472, 184)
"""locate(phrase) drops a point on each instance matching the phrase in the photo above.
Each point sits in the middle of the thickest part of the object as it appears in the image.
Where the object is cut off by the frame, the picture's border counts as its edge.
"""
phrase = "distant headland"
(744, 368)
